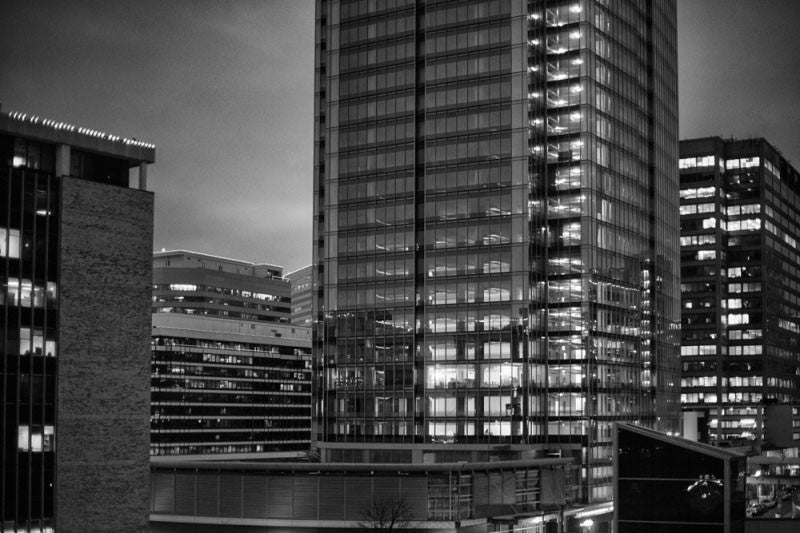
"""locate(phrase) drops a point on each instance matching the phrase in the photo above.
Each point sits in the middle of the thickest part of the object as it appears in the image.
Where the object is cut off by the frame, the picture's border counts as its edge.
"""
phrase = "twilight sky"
(224, 88)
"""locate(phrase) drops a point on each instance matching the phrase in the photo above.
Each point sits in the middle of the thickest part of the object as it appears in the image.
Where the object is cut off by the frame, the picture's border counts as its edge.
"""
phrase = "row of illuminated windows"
(225, 384)
(733, 381)
(463, 38)
(224, 313)
(698, 240)
(749, 224)
(693, 209)
(469, 92)
(401, 130)
(481, 262)
(701, 255)
(23, 293)
(196, 353)
(32, 341)
(191, 287)
(359, 84)
(366, 57)
(747, 209)
(475, 233)
(219, 301)
(696, 162)
(698, 192)
(731, 397)
(744, 287)
(472, 119)
(707, 349)
(374, 187)
(470, 292)
(752, 349)
(469, 65)
(376, 160)
(745, 334)
(743, 272)
(219, 372)
(358, 110)
(471, 320)
(36, 439)
(382, 28)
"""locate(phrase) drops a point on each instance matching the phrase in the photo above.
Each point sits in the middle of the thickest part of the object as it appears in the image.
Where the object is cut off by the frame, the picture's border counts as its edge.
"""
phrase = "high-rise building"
(302, 290)
(76, 234)
(231, 379)
(739, 282)
(496, 228)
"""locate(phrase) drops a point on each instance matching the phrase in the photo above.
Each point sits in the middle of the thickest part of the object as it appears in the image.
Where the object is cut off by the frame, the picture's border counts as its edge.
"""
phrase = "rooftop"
(89, 139)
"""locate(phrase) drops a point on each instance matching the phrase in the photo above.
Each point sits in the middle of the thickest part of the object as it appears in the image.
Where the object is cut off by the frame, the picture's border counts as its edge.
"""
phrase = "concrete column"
(62, 160)
(142, 176)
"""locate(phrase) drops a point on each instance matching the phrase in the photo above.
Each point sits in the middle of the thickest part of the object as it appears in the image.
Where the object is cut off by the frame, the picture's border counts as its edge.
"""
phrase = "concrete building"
(302, 290)
(534, 496)
(231, 378)
(496, 229)
(76, 233)
(740, 285)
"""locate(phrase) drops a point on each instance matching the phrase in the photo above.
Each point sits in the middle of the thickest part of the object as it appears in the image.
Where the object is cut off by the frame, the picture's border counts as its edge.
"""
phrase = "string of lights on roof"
(65, 126)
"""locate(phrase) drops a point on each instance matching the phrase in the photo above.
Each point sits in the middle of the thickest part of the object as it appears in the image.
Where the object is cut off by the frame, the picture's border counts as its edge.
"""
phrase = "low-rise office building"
(231, 378)
(535, 496)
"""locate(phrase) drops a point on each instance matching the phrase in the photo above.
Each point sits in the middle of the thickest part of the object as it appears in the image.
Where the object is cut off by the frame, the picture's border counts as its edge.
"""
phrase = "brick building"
(75, 247)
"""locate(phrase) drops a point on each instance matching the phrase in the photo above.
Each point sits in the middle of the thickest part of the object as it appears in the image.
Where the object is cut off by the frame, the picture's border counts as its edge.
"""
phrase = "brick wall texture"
(103, 398)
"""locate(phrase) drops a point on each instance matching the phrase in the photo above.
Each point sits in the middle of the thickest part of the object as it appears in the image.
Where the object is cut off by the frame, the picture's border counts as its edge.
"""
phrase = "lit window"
(9, 243)
(23, 438)
(182, 287)
(705, 255)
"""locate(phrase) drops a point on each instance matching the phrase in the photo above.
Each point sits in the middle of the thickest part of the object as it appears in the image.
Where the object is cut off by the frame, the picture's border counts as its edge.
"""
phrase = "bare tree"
(386, 514)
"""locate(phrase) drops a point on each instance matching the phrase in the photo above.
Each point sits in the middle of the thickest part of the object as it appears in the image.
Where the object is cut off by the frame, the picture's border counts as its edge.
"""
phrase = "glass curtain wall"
(496, 223)
(604, 221)
(28, 304)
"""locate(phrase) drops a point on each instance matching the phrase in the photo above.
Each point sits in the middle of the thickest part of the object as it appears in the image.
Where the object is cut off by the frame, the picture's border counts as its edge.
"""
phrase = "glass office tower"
(496, 228)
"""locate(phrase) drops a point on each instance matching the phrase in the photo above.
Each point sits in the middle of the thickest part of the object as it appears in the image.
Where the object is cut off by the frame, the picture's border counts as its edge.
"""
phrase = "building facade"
(302, 289)
(302, 497)
(202, 284)
(496, 228)
(76, 233)
(667, 483)
(740, 284)
(231, 379)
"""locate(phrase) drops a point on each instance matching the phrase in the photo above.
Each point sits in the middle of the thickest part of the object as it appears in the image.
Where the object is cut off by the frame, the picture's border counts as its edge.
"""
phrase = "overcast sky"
(225, 91)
